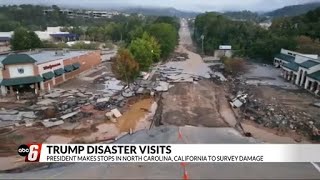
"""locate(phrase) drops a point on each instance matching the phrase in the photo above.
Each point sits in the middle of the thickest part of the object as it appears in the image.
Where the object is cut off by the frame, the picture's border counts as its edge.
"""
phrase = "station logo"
(31, 152)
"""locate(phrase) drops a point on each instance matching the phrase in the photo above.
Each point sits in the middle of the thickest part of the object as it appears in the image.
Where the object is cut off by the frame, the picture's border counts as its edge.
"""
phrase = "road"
(168, 134)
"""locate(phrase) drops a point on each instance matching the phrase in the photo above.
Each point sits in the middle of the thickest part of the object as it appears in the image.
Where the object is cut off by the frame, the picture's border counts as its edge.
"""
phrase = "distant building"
(55, 34)
(300, 69)
(85, 13)
(224, 50)
(5, 38)
(265, 25)
(36, 71)
(50, 34)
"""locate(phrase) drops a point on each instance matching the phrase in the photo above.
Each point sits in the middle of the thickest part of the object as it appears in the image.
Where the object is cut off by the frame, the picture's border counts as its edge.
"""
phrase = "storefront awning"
(48, 75)
(76, 65)
(58, 72)
(21, 81)
(68, 68)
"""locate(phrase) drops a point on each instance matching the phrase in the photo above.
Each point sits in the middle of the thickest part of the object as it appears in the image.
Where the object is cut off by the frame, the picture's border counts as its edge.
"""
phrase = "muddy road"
(194, 104)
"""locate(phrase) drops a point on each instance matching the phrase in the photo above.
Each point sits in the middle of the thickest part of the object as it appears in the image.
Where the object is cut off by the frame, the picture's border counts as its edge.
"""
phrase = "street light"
(202, 38)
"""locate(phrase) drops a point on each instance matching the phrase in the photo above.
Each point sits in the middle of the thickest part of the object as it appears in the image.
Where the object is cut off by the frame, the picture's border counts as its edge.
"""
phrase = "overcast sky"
(191, 5)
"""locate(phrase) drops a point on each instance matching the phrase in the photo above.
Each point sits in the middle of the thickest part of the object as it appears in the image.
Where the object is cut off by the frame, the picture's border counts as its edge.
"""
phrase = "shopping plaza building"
(300, 69)
(41, 70)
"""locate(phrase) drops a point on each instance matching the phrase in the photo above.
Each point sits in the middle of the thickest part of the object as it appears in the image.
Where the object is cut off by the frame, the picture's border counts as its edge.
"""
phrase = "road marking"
(316, 166)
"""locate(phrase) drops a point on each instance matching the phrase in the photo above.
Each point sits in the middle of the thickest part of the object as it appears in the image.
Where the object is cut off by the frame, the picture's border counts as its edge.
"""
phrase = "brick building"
(42, 70)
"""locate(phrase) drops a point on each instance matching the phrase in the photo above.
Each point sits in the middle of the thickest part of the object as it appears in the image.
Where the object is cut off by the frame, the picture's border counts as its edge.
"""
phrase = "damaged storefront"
(42, 70)
(300, 69)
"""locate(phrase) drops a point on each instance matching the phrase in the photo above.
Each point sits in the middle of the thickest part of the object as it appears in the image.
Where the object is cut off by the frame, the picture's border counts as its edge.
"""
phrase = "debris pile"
(317, 104)
(13, 115)
(174, 75)
(179, 57)
(113, 114)
(216, 72)
(275, 115)
(271, 113)
(112, 85)
(238, 101)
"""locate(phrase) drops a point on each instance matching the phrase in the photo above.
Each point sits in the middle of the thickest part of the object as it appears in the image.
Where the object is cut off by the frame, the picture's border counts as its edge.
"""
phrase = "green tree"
(142, 52)
(167, 37)
(155, 47)
(20, 39)
(124, 66)
(169, 20)
(246, 38)
(34, 40)
(137, 32)
(82, 45)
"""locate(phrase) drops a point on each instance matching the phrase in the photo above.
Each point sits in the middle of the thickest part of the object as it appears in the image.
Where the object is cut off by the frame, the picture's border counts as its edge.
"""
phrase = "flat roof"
(47, 55)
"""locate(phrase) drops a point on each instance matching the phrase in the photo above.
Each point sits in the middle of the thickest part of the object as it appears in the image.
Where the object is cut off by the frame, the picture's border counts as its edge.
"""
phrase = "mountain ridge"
(293, 10)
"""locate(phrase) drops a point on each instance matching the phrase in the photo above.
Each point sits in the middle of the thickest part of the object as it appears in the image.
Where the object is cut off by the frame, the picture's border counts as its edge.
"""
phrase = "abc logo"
(23, 150)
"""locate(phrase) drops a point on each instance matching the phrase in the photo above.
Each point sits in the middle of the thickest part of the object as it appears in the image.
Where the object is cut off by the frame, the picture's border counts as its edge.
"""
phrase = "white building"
(86, 13)
(224, 50)
(50, 34)
(5, 38)
(301, 69)
(265, 25)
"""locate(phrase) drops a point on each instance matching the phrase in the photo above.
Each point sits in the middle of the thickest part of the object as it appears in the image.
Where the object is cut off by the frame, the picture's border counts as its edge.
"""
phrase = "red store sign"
(51, 66)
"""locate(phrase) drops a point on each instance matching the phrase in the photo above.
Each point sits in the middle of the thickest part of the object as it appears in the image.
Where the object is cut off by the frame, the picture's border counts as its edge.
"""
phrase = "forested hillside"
(294, 10)
(161, 12)
(245, 15)
(249, 40)
(307, 24)
(306, 29)
(31, 17)
(246, 38)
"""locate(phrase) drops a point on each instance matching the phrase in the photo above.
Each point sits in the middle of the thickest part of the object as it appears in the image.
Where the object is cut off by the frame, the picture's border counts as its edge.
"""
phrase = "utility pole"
(202, 38)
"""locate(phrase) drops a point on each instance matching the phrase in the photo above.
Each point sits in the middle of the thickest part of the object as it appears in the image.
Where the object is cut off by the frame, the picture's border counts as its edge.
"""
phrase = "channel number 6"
(33, 154)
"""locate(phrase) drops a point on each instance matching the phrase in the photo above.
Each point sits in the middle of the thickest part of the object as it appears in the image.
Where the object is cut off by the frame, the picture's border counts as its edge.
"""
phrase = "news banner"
(170, 152)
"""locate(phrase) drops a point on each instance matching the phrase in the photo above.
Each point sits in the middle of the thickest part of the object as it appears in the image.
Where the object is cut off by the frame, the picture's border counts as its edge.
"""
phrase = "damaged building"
(35, 71)
(300, 69)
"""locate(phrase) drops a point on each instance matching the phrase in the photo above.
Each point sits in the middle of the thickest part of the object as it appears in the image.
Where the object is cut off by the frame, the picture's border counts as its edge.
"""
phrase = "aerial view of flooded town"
(96, 73)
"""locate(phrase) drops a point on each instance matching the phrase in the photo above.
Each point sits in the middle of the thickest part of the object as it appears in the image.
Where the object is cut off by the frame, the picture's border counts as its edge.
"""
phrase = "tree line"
(250, 40)
(246, 38)
(306, 25)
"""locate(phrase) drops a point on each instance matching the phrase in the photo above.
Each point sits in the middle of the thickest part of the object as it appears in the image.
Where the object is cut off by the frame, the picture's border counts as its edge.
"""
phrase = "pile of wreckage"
(276, 116)
(59, 106)
(11, 117)
(216, 72)
(173, 75)
(179, 57)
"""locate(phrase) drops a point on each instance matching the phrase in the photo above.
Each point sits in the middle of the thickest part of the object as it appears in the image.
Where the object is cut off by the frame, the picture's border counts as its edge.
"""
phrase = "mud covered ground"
(195, 104)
